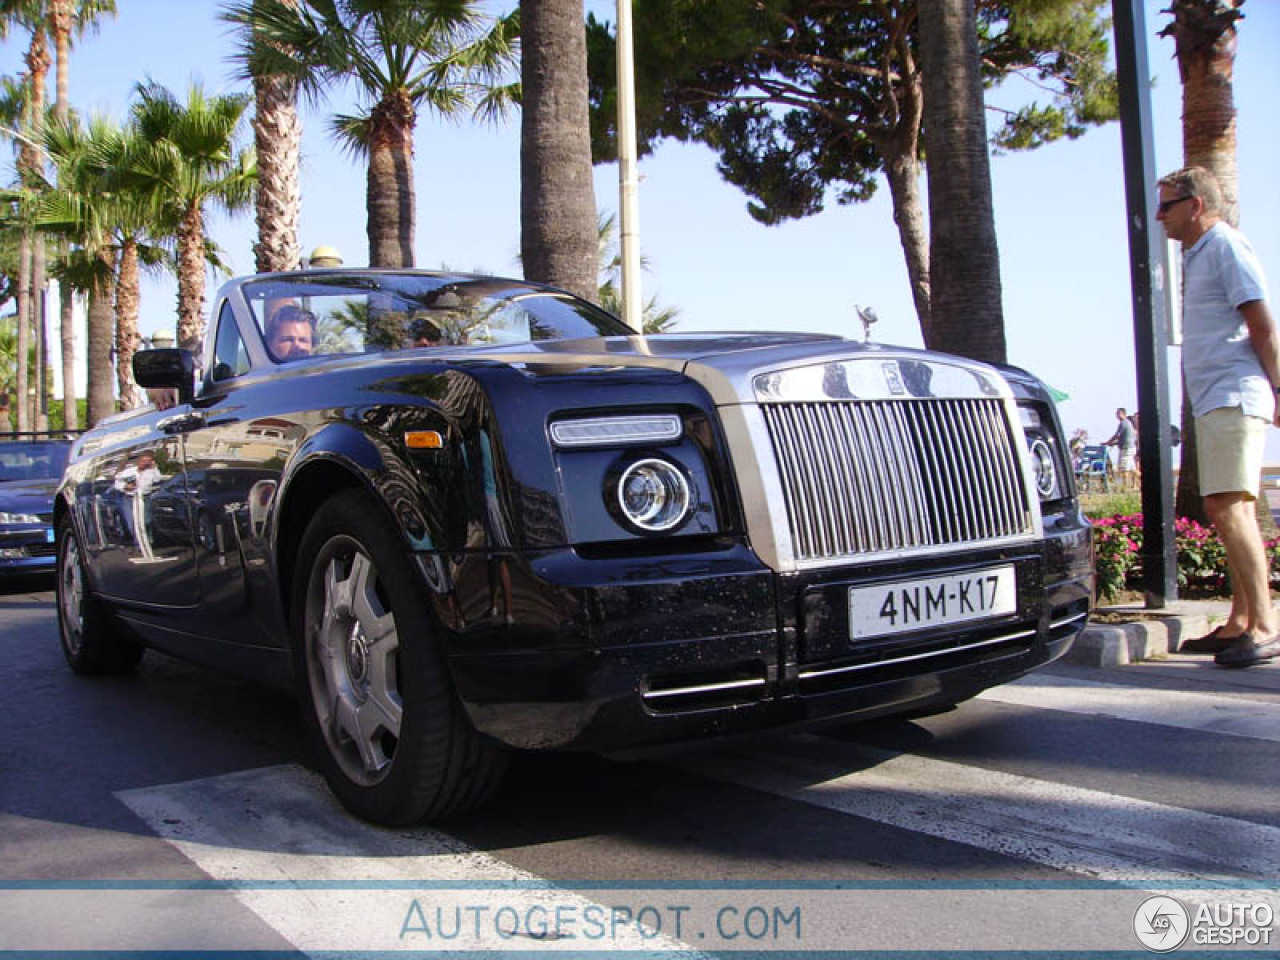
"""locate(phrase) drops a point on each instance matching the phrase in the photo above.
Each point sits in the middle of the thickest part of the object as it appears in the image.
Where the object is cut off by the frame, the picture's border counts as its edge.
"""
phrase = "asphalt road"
(173, 810)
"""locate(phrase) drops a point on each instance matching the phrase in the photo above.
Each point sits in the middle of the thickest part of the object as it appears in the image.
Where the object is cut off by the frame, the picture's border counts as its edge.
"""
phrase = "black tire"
(392, 740)
(91, 642)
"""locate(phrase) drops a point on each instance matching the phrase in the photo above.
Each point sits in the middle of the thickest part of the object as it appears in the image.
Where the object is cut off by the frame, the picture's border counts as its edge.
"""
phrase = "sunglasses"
(1164, 206)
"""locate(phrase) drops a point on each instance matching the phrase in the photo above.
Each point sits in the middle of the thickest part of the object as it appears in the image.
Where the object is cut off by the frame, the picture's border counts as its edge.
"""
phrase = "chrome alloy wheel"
(352, 662)
(71, 596)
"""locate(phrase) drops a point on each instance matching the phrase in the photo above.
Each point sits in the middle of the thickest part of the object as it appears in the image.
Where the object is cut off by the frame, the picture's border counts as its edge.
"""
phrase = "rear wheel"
(394, 743)
(91, 643)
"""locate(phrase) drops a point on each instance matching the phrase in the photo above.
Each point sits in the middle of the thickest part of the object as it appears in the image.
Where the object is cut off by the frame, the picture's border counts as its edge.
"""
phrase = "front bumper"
(617, 655)
(27, 549)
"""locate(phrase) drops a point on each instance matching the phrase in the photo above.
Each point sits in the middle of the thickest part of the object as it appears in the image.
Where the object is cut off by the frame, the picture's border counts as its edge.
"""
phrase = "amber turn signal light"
(424, 440)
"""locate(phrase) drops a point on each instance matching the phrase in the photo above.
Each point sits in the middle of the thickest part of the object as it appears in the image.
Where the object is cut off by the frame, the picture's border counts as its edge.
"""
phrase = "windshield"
(335, 314)
(32, 460)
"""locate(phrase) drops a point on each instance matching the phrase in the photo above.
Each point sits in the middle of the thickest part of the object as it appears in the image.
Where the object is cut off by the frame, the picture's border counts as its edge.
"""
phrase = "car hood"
(730, 365)
(27, 496)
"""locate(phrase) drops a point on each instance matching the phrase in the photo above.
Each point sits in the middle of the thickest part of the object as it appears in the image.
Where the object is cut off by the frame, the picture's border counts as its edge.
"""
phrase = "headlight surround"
(653, 495)
(1043, 469)
(1049, 471)
(11, 518)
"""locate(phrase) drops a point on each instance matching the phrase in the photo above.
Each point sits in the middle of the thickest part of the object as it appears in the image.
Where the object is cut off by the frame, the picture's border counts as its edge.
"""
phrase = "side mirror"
(171, 368)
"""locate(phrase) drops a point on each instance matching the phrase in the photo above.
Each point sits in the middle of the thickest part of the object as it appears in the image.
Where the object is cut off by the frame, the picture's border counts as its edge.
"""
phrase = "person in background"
(1231, 366)
(6, 422)
(1125, 440)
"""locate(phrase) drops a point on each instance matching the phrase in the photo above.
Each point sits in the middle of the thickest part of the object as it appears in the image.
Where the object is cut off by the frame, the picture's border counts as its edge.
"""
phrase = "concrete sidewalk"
(1152, 634)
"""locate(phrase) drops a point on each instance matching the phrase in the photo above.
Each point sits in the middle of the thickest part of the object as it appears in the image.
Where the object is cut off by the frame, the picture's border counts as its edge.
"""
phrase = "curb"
(1119, 644)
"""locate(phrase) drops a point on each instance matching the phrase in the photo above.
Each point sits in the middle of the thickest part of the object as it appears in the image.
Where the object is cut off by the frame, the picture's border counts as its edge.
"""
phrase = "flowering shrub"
(1202, 561)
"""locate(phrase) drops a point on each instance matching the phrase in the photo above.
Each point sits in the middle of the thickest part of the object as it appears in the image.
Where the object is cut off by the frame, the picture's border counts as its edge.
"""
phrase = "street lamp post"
(628, 181)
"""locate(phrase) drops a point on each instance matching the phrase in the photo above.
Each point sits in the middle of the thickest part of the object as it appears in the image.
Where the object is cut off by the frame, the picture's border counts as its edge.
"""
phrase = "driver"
(291, 333)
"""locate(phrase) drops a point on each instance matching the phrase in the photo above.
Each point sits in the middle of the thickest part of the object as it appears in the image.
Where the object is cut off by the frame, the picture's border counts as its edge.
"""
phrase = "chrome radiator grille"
(868, 477)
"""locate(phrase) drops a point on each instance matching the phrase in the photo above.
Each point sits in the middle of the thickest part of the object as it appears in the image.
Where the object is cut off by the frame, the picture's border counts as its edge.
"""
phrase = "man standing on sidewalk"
(1232, 372)
(1125, 440)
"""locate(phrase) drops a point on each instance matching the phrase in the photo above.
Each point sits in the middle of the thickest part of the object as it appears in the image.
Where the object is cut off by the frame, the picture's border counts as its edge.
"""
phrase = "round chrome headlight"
(653, 495)
(1046, 473)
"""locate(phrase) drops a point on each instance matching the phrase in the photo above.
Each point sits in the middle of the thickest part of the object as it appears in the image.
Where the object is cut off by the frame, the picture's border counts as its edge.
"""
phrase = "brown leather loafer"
(1215, 641)
(1247, 651)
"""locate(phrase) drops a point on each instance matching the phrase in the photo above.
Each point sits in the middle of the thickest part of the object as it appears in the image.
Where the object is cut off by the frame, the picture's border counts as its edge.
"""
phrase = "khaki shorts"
(1231, 448)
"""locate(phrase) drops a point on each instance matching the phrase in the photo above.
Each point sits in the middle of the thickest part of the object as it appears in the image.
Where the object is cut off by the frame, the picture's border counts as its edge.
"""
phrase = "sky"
(1060, 210)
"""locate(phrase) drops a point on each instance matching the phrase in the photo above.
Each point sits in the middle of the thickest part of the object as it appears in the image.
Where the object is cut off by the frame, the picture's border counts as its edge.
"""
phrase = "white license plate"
(904, 605)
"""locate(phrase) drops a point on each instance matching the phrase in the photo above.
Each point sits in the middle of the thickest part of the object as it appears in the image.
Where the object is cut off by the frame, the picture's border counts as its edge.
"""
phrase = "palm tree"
(965, 311)
(1204, 33)
(16, 104)
(67, 18)
(24, 112)
(557, 199)
(277, 133)
(191, 155)
(76, 208)
(403, 56)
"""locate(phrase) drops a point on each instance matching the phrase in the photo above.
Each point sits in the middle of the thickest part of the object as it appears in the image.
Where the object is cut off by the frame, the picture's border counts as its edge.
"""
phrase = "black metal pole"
(1146, 243)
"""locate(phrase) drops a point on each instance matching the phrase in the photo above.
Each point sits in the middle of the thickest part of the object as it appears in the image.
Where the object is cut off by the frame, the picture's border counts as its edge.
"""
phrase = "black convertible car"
(463, 514)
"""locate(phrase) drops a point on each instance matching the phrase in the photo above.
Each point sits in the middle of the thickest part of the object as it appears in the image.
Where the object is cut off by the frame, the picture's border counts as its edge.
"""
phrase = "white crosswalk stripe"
(328, 882)
(1237, 716)
(1101, 835)
(325, 882)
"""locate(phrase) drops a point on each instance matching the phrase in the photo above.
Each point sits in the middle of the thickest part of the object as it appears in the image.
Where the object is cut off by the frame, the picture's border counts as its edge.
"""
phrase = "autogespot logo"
(1161, 923)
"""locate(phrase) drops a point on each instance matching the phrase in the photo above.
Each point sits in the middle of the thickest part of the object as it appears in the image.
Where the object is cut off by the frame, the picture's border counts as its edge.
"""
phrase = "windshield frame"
(362, 312)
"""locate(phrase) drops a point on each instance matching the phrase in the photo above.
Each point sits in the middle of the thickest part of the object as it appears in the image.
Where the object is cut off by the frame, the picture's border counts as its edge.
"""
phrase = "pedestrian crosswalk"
(1208, 713)
(276, 839)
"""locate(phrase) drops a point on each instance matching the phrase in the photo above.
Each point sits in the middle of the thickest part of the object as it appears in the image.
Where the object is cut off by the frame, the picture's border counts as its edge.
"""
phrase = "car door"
(234, 456)
(138, 524)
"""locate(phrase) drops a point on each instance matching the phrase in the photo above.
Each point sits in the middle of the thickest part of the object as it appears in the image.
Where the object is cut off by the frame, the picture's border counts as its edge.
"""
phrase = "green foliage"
(58, 422)
(1202, 560)
(803, 100)
(422, 54)
(1120, 503)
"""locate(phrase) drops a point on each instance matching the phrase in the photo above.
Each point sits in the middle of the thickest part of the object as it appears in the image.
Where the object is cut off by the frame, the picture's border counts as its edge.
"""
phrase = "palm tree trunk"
(966, 316)
(40, 332)
(37, 60)
(1205, 36)
(22, 382)
(67, 332)
(101, 329)
(191, 279)
(390, 200)
(127, 338)
(278, 135)
(60, 15)
(558, 228)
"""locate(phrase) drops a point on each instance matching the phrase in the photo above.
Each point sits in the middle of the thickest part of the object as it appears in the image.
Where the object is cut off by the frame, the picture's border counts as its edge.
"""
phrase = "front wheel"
(91, 643)
(394, 743)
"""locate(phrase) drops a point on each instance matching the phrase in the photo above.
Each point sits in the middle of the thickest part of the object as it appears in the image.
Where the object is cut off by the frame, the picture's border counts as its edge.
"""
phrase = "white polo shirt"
(1220, 273)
